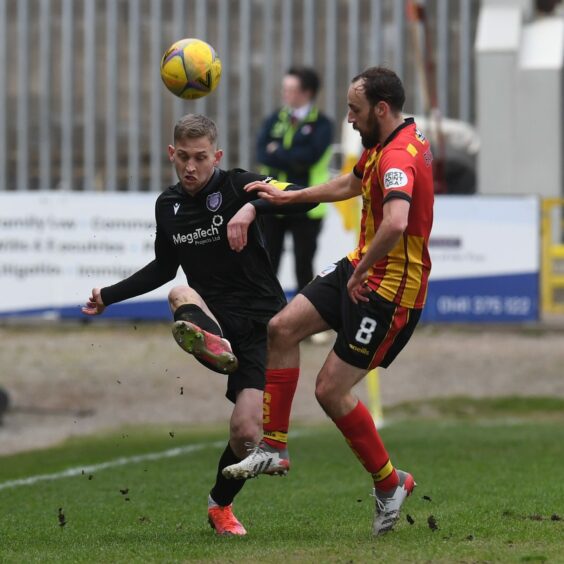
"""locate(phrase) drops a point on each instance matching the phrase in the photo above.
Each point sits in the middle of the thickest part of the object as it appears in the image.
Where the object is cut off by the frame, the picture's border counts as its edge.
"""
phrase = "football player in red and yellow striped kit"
(372, 298)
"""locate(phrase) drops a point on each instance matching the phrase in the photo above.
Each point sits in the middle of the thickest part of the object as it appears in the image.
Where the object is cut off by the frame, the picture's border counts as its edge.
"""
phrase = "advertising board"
(485, 253)
(54, 247)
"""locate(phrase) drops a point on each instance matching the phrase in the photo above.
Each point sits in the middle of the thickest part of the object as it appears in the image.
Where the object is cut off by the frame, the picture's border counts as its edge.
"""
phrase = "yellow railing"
(552, 264)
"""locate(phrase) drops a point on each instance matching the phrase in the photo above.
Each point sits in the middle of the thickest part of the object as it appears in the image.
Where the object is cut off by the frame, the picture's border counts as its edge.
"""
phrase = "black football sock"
(195, 314)
(224, 490)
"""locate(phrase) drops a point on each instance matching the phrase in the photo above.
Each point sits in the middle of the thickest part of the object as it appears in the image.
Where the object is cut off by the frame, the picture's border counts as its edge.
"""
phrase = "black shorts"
(369, 334)
(248, 341)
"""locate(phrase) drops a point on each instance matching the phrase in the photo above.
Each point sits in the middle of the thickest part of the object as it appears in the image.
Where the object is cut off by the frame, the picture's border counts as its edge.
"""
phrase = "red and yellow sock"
(360, 433)
(277, 403)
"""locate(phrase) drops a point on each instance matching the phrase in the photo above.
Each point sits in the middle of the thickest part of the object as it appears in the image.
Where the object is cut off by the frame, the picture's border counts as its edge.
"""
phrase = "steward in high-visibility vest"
(304, 148)
(294, 145)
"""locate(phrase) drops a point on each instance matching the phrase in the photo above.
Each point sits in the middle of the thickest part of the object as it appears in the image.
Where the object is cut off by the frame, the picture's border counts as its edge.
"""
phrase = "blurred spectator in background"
(456, 144)
(293, 146)
(458, 150)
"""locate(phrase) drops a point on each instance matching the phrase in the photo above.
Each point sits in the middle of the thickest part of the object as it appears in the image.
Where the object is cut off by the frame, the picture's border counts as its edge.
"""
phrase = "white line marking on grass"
(122, 461)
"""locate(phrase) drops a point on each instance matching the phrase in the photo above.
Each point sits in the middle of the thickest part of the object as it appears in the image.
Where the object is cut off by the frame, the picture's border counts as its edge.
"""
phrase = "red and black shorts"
(369, 334)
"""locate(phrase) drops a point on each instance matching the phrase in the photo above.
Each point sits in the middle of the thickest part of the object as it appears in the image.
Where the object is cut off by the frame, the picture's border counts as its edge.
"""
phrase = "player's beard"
(372, 136)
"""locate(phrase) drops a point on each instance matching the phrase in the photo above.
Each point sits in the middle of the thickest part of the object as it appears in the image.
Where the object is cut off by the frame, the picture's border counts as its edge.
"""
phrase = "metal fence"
(82, 106)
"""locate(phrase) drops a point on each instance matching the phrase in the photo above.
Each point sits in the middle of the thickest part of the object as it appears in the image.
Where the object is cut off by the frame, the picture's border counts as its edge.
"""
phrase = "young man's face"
(194, 161)
(362, 115)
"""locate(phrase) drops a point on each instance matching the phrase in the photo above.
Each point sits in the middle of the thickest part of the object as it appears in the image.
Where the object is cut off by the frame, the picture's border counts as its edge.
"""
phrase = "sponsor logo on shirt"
(213, 201)
(328, 269)
(419, 136)
(176, 207)
(394, 178)
(200, 235)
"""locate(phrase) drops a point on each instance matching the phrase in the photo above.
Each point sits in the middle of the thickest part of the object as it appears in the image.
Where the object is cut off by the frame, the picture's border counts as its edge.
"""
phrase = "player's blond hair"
(194, 126)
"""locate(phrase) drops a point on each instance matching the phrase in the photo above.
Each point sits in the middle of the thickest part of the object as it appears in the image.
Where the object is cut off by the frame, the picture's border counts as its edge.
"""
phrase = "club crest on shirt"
(213, 201)
(394, 178)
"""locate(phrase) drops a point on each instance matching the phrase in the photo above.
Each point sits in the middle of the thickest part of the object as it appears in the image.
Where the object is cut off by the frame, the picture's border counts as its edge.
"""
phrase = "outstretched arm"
(152, 276)
(238, 226)
(337, 189)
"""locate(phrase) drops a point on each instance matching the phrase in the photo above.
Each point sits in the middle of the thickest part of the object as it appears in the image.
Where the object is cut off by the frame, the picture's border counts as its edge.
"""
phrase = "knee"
(280, 331)
(326, 393)
(320, 393)
(245, 431)
(180, 295)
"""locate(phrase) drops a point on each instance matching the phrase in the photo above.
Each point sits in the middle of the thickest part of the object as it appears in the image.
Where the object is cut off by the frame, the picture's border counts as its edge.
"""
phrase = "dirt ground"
(72, 379)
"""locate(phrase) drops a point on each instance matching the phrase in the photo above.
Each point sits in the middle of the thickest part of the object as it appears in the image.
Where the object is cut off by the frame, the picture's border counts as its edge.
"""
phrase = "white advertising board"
(55, 247)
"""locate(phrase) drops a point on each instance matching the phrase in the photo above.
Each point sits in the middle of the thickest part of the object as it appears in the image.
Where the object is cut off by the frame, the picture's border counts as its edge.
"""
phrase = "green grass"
(493, 483)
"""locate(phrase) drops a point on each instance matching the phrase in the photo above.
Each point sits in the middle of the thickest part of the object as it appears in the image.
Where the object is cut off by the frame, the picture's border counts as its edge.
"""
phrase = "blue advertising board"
(485, 254)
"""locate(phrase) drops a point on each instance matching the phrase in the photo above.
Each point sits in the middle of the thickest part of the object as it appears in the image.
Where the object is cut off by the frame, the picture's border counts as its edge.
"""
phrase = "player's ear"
(170, 150)
(382, 108)
(218, 154)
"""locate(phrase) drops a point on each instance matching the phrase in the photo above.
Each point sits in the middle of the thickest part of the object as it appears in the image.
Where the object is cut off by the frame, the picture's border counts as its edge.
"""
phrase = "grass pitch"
(489, 489)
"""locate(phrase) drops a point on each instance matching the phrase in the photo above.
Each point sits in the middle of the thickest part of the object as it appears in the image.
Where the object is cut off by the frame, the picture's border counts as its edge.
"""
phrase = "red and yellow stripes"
(399, 321)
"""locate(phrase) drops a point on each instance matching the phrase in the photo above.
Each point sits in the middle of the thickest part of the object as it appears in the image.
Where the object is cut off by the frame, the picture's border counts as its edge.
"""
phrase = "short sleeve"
(397, 175)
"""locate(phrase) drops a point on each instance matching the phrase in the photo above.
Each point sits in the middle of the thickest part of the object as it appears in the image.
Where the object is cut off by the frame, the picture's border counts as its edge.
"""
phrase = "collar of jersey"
(406, 122)
(212, 184)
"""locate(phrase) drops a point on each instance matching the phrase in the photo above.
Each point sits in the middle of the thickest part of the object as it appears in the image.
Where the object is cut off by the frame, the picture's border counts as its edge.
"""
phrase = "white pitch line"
(122, 461)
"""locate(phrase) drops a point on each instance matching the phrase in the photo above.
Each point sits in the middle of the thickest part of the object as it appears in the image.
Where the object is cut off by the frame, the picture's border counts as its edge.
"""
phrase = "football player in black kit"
(205, 224)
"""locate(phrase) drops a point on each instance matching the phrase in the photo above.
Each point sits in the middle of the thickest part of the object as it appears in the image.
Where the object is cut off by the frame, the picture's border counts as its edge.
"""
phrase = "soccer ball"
(190, 68)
